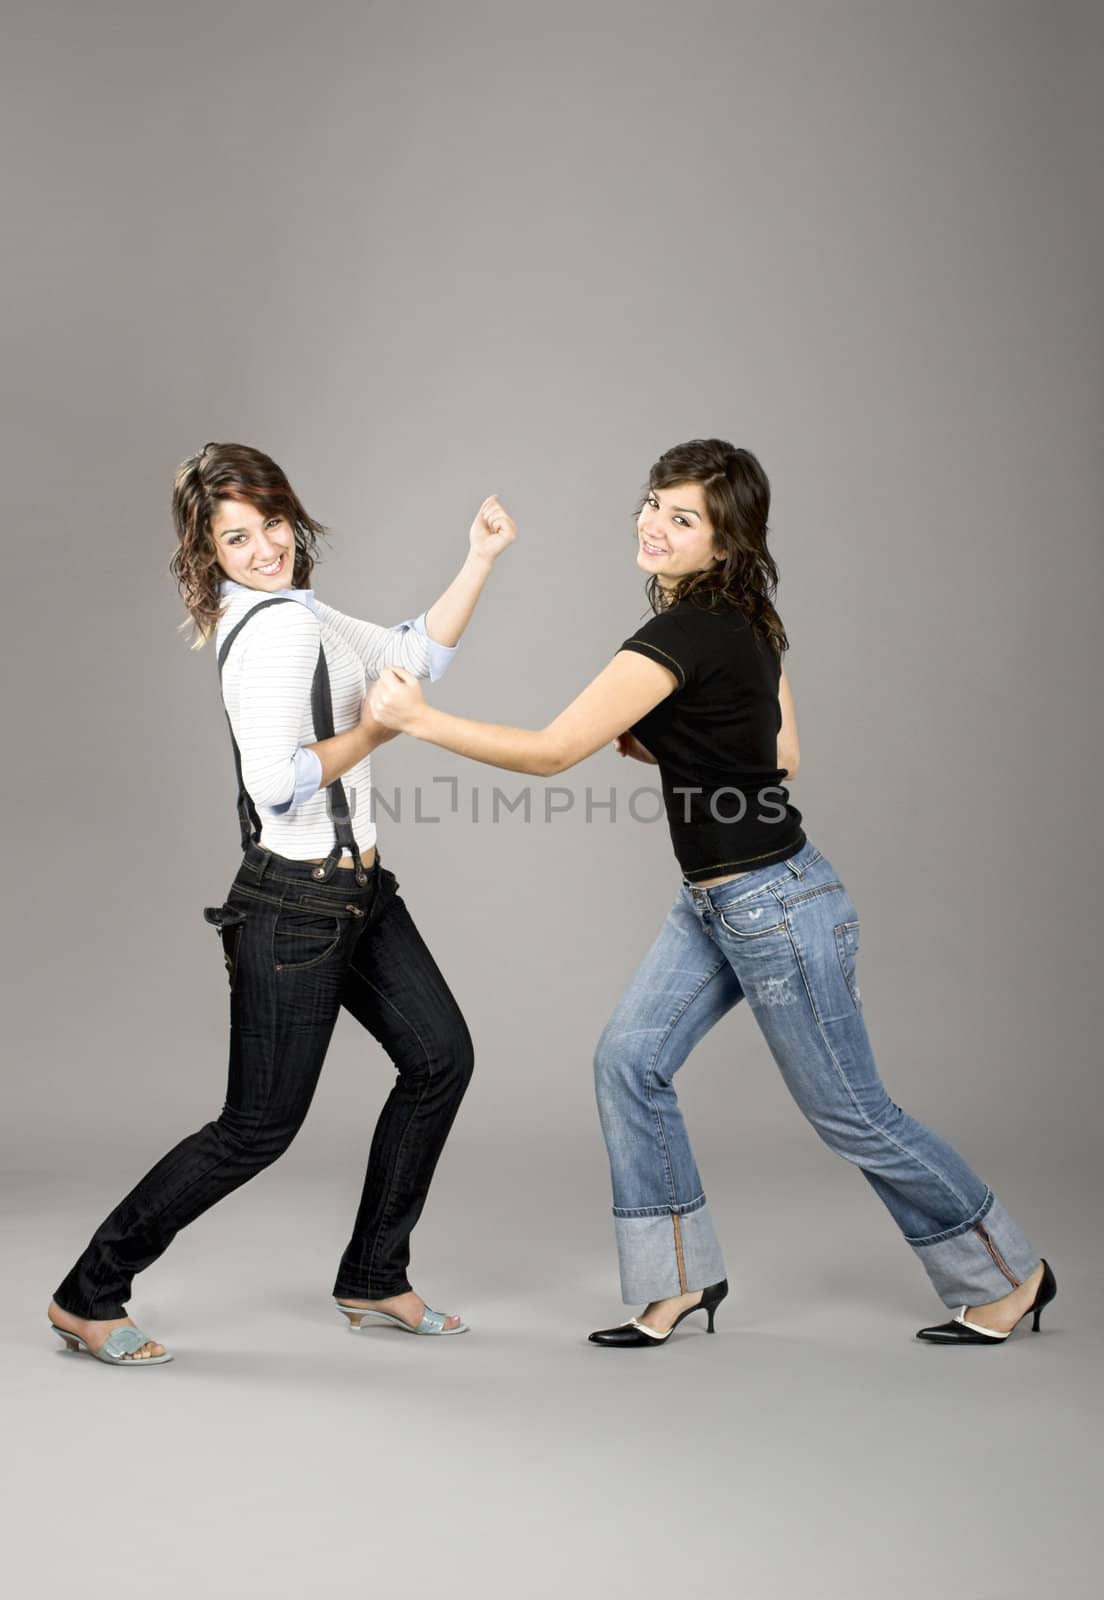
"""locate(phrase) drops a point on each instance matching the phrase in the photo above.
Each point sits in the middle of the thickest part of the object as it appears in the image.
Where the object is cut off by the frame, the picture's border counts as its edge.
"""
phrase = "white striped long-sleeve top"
(266, 688)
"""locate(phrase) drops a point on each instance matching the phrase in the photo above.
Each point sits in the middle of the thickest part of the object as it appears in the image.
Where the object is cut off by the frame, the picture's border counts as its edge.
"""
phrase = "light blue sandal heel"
(119, 1343)
(433, 1322)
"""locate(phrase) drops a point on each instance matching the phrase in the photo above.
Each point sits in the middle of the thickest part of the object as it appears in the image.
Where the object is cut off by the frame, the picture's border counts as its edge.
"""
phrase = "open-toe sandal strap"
(122, 1342)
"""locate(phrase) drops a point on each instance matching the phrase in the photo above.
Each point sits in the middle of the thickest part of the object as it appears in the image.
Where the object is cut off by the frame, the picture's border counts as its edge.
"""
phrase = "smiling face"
(674, 534)
(252, 548)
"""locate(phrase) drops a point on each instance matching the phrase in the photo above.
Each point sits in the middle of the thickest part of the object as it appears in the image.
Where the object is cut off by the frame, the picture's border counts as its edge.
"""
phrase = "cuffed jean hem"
(983, 1260)
(667, 1253)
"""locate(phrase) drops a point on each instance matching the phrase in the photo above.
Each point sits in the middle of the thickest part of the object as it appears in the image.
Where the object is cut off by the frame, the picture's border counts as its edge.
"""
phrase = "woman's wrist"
(478, 565)
(421, 722)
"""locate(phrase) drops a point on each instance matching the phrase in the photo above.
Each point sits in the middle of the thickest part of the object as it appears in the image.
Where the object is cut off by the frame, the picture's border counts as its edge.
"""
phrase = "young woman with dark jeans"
(303, 936)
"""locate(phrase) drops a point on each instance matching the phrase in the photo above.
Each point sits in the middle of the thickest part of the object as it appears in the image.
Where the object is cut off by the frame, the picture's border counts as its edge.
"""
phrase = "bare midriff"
(709, 883)
(367, 859)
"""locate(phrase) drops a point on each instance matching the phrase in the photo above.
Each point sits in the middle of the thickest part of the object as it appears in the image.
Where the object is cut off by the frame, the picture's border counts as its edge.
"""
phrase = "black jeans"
(297, 951)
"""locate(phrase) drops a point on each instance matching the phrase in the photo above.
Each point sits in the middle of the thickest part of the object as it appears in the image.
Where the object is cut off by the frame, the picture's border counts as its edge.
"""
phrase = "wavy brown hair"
(737, 497)
(229, 472)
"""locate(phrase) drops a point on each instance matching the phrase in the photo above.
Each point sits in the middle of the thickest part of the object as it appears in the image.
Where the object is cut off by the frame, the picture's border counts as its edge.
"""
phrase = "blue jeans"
(785, 938)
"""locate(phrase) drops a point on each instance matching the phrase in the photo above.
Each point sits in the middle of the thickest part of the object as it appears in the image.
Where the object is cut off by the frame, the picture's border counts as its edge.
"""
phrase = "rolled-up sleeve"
(440, 655)
(307, 766)
(406, 645)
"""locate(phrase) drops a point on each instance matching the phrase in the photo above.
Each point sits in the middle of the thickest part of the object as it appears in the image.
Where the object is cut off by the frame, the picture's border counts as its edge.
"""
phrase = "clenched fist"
(492, 530)
(627, 744)
(395, 699)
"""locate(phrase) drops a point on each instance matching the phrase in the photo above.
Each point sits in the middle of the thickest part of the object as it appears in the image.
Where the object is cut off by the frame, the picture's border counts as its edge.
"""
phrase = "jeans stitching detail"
(774, 886)
(649, 1076)
(810, 894)
(259, 1127)
(312, 961)
(840, 931)
(749, 938)
(385, 1215)
(987, 1240)
(685, 1208)
(678, 1253)
(956, 1232)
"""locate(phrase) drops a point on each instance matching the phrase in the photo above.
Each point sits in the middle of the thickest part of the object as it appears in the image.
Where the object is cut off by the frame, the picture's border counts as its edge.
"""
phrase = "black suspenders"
(322, 713)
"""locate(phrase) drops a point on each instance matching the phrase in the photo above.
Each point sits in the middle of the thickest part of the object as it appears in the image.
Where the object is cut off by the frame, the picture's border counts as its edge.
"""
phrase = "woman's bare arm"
(623, 692)
(344, 750)
(491, 532)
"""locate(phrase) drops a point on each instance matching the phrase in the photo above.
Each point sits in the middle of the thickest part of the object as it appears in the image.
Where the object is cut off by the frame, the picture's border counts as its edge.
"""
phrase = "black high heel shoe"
(636, 1335)
(959, 1331)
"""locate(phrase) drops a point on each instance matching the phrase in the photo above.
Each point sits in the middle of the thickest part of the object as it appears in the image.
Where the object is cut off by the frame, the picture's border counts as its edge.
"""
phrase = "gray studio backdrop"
(420, 253)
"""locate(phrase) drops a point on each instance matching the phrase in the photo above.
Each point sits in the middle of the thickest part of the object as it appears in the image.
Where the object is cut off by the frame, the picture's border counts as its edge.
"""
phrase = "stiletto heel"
(636, 1335)
(959, 1331)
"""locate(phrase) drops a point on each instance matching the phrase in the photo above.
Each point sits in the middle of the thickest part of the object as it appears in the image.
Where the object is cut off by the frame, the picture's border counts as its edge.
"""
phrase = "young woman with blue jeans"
(761, 916)
(303, 934)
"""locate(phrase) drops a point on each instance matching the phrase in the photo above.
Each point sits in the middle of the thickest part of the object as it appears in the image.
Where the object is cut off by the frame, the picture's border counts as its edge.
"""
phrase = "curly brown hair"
(737, 497)
(229, 472)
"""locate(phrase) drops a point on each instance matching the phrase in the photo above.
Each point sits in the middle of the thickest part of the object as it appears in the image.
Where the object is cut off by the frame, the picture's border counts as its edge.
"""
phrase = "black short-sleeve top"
(716, 741)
